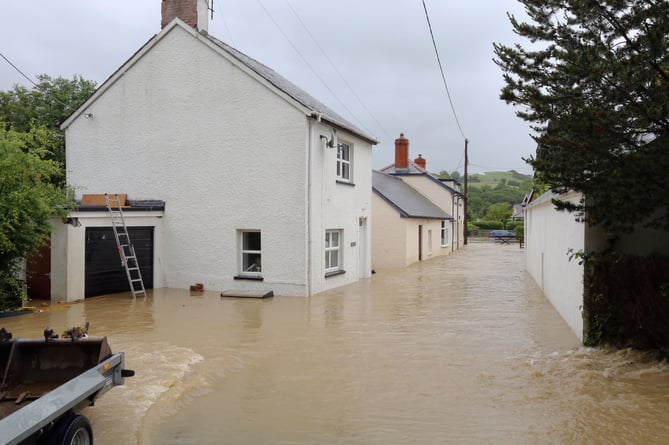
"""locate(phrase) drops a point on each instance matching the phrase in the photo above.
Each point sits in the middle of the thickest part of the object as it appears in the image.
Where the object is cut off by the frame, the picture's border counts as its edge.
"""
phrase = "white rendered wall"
(549, 235)
(340, 206)
(224, 152)
(68, 250)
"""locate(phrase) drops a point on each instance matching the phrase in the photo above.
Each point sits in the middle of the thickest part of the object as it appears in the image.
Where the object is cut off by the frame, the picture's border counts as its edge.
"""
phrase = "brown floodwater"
(461, 349)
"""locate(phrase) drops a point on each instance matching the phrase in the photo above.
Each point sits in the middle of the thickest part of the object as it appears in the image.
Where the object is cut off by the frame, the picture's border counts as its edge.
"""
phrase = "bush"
(489, 225)
(512, 225)
(11, 292)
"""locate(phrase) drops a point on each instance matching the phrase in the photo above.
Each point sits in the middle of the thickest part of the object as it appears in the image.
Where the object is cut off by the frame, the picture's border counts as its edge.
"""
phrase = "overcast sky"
(370, 60)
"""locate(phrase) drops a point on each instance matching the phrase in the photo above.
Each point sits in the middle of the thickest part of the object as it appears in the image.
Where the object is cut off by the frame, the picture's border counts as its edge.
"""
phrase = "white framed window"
(332, 251)
(344, 162)
(250, 253)
(444, 232)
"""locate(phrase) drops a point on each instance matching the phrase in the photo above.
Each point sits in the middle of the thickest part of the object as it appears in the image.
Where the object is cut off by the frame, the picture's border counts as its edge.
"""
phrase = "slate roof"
(302, 97)
(411, 170)
(291, 89)
(404, 198)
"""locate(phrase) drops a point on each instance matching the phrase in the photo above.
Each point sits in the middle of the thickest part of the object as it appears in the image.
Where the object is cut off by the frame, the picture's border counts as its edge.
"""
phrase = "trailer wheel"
(72, 430)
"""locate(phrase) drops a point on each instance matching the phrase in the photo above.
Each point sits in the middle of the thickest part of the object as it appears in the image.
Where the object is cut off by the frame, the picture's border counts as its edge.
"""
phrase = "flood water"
(461, 349)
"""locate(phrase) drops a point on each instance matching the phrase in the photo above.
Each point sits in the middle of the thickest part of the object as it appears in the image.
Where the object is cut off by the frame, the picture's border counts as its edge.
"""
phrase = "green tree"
(27, 198)
(500, 211)
(594, 81)
(46, 105)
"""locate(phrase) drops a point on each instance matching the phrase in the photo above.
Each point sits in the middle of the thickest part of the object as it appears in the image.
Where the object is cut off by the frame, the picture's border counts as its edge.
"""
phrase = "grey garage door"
(104, 272)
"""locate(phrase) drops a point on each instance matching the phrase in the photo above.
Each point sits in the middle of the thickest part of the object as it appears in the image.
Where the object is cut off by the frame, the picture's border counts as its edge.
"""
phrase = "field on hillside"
(494, 178)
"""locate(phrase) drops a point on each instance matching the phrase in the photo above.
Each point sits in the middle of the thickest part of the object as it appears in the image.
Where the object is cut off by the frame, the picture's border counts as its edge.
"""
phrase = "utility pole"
(466, 194)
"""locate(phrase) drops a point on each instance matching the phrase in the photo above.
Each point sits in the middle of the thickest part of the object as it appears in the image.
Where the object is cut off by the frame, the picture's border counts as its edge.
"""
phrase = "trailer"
(47, 382)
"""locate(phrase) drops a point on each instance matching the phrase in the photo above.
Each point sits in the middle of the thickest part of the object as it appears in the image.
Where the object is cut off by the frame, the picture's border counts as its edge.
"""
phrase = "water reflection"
(461, 349)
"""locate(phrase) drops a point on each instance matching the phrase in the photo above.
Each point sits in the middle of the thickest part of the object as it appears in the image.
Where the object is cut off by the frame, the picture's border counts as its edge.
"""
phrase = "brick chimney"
(192, 12)
(420, 161)
(402, 152)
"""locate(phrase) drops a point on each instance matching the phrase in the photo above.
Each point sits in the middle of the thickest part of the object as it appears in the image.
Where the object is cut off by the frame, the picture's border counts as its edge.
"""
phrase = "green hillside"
(511, 178)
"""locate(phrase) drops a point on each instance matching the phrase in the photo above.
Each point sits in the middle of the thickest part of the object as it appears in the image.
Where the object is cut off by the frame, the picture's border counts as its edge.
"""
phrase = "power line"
(225, 23)
(441, 69)
(334, 66)
(309, 65)
(17, 69)
(67, 106)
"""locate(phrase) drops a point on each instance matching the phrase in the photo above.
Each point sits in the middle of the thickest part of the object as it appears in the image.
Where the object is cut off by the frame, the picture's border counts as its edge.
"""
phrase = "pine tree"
(593, 79)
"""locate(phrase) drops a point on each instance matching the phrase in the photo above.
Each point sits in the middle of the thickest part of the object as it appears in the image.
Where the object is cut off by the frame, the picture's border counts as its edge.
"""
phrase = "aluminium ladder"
(125, 248)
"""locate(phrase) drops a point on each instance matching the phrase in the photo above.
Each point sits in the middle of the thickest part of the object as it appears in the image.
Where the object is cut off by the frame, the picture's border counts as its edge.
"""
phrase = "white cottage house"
(236, 178)
(416, 215)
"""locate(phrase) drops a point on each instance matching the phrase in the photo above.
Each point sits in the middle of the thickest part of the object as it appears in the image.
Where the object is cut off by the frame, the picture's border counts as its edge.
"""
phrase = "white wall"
(68, 250)
(549, 235)
(226, 152)
(340, 206)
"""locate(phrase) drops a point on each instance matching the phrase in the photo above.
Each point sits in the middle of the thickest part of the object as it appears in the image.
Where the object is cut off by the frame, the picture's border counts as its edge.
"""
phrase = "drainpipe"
(309, 203)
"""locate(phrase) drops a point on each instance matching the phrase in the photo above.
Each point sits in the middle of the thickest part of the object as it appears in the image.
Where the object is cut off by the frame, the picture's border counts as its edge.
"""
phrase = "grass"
(493, 178)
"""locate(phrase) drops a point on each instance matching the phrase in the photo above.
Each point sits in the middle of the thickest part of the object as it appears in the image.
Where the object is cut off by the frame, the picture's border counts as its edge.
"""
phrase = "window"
(332, 252)
(251, 254)
(444, 233)
(343, 162)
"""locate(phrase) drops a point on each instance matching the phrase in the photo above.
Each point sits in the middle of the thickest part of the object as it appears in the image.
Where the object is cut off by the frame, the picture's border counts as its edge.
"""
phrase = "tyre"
(72, 430)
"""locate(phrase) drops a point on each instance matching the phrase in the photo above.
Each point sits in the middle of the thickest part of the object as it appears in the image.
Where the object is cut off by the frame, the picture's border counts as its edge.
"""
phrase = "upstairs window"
(344, 162)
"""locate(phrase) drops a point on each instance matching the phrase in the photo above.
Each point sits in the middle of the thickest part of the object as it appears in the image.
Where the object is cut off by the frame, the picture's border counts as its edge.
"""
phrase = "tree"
(500, 211)
(46, 105)
(594, 81)
(27, 199)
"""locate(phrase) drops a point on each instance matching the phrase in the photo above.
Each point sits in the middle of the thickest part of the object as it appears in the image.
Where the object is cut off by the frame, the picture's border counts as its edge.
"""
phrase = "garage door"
(104, 273)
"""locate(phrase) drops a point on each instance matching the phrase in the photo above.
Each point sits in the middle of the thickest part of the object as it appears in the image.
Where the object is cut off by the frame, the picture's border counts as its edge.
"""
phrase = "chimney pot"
(420, 161)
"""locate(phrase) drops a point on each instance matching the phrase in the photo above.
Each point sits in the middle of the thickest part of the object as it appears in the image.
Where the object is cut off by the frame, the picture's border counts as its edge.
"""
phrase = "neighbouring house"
(417, 216)
(552, 237)
(517, 214)
(235, 178)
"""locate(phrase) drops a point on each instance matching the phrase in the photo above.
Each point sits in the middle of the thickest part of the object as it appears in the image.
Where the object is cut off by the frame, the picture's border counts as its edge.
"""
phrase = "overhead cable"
(441, 69)
(334, 66)
(310, 67)
(17, 69)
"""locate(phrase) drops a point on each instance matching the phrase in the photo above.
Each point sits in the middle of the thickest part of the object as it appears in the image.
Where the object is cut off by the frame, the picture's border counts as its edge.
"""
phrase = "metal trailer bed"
(46, 383)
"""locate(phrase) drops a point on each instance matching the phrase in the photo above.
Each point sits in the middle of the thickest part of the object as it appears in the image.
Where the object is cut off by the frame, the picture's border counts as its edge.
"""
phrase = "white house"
(552, 237)
(416, 215)
(236, 178)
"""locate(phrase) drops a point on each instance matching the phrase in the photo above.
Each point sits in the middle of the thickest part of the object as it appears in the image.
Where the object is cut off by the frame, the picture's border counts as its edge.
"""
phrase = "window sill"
(333, 273)
(246, 277)
(344, 182)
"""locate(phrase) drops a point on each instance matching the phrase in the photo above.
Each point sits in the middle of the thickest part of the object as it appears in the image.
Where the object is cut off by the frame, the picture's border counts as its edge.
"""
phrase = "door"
(104, 273)
(38, 273)
(362, 248)
(420, 242)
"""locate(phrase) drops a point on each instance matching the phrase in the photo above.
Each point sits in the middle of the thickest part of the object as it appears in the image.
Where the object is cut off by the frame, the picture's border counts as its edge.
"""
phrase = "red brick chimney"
(420, 161)
(402, 152)
(192, 12)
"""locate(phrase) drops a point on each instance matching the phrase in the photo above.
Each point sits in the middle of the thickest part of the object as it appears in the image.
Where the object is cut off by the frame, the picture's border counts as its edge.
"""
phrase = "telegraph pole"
(466, 194)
